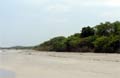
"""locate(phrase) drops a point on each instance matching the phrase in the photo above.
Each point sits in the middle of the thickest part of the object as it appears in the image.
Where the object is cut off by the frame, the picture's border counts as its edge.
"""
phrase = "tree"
(54, 44)
(101, 43)
(58, 43)
(87, 31)
(114, 43)
(86, 44)
(104, 37)
(73, 42)
(116, 28)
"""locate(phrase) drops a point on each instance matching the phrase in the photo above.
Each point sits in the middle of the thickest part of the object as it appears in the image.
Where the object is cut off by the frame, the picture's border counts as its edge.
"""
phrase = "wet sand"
(34, 64)
(7, 74)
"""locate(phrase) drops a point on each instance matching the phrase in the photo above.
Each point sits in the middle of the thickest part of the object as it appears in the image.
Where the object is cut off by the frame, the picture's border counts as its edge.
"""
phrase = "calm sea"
(7, 74)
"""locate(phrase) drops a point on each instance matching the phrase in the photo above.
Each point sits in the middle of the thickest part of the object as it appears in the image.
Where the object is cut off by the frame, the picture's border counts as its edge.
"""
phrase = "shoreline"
(34, 64)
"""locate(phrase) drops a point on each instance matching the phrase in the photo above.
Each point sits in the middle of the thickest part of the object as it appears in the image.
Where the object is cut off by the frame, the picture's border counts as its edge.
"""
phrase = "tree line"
(102, 38)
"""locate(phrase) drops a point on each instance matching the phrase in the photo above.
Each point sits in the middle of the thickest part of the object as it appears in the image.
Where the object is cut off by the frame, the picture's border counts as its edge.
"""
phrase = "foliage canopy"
(104, 37)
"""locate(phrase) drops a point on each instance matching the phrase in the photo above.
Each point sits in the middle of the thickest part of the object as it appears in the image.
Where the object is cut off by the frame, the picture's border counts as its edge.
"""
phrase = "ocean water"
(7, 74)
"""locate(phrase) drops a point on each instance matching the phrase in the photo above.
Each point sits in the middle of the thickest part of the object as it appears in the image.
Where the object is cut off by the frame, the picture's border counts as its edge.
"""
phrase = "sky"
(31, 22)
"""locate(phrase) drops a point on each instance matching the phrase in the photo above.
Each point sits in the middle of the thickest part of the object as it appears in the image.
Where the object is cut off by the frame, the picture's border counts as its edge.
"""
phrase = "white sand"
(33, 64)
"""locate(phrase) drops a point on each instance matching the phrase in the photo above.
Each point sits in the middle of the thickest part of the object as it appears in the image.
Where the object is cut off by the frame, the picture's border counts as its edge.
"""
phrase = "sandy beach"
(35, 64)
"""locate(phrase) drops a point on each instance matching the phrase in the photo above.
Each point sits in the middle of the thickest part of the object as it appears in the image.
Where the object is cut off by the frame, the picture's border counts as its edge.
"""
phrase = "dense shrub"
(101, 44)
(104, 37)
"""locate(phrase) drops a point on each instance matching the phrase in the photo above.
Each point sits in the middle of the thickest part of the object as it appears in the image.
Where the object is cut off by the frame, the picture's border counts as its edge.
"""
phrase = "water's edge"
(7, 74)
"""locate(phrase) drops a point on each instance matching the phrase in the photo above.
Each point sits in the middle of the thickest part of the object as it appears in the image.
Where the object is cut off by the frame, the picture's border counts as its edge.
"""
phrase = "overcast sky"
(30, 22)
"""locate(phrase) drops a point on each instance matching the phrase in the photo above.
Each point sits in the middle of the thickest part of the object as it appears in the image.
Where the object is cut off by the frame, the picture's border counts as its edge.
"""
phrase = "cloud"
(58, 8)
(65, 6)
(108, 3)
(113, 3)
(57, 21)
(88, 3)
(110, 14)
(32, 2)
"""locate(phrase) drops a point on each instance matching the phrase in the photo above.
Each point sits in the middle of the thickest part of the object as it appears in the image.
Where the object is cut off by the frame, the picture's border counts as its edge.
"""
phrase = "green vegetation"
(55, 44)
(104, 37)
